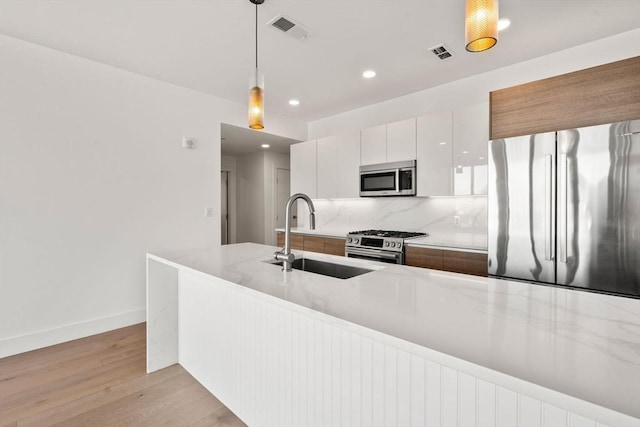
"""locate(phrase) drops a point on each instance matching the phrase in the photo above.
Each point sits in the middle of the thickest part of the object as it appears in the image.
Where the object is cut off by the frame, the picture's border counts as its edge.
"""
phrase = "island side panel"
(272, 365)
(162, 315)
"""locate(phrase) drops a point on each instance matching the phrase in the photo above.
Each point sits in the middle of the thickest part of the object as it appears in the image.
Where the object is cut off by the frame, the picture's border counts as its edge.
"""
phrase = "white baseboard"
(20, 344)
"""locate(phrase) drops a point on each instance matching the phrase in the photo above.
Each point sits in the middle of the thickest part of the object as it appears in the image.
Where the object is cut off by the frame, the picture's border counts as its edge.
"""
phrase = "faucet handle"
(280, 256)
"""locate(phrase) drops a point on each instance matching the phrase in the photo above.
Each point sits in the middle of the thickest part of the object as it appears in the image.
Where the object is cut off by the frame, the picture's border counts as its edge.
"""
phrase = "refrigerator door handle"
(549, 252)
(563, 213)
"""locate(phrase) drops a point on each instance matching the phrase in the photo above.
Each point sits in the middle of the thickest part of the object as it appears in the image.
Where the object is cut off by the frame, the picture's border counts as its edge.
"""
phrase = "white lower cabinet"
(276, 364)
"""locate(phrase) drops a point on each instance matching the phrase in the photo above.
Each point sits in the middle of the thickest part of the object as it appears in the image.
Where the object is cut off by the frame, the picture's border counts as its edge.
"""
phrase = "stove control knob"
(356, 241)
(349, 240)
(386, 243)
(393, 244)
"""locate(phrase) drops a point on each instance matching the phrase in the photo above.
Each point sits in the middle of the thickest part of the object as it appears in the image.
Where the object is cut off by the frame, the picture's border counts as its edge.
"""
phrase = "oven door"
(374, 255)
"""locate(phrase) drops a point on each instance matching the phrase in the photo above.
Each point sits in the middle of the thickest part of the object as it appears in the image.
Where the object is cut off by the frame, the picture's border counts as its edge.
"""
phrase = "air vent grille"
(441, 52)
(283, 24)
(290, 27)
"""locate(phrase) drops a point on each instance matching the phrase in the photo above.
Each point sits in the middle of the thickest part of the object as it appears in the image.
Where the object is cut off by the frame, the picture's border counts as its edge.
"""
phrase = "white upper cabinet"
(349, 165)
(328, 166)
(434, 154)
(401, 140)
(392, 142)
(303, 168)
(470, 143)
(373, 145)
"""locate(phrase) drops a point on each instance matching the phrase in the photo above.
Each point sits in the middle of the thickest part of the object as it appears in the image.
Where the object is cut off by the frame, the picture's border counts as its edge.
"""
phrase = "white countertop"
(324, 232)
(583, 344)
(458, 241)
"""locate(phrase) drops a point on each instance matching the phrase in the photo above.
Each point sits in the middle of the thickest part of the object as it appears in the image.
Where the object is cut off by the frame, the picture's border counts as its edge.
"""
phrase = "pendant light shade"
(256, 100)
(256, 87)
(481, 25)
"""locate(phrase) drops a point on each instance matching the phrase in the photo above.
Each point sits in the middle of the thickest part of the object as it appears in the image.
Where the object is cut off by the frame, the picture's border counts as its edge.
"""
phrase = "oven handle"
(398, 180)
(372, 253)
(375, 172)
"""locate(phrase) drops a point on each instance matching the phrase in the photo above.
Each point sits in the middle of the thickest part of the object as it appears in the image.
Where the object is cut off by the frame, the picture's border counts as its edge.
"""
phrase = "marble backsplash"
(434, 215)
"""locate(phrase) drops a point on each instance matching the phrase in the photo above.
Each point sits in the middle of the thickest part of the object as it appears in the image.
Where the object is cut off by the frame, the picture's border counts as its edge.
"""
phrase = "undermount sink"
(339, 271)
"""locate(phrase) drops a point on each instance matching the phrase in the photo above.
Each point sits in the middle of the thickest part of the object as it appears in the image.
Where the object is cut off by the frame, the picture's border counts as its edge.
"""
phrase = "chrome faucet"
(285, 254)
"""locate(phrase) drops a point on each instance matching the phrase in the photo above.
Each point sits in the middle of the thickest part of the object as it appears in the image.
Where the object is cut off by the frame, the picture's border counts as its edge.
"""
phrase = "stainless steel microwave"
(388, 179)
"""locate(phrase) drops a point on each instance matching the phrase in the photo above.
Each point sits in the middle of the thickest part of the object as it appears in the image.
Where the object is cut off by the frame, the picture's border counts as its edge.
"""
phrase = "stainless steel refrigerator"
(564, 208)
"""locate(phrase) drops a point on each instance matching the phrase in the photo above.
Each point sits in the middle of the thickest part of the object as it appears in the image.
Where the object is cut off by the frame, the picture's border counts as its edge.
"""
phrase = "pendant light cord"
(256, 36)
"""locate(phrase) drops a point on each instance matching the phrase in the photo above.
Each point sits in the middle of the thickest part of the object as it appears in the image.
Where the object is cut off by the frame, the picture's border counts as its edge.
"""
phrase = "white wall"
(475, 89)
(92, 176)
(228, 163)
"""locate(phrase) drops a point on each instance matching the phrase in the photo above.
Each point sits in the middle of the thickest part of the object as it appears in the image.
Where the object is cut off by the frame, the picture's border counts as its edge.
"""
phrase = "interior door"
(224, 208)
(521, 207)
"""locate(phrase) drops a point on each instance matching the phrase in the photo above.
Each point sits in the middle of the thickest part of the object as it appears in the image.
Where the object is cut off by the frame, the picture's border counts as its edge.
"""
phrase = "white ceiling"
(208, 45)
(237, 141)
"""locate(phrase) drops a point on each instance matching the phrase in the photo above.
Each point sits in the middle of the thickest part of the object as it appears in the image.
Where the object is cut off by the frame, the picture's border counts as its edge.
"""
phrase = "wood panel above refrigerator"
(603, 94)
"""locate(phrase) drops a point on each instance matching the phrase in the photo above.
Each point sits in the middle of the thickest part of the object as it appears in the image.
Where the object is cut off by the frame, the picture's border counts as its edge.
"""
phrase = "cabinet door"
(348, 165)
(313, 244)
(470, 145)
(334, 246)
(303, 168)
(465, 262)
(327, 165)
(373, 145)
(401, 140)
(434, 154)
(424, 257)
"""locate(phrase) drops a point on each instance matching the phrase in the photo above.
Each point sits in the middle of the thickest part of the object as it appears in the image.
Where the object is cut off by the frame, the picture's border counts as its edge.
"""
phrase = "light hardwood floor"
(101, 381)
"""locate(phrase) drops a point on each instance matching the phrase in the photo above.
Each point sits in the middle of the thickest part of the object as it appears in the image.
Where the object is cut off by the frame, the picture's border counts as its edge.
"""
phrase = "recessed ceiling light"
(503, 23)
(465, 152)
(443, 143)
(369, 74)
(265, 146)
(481, 158)
(294, 102)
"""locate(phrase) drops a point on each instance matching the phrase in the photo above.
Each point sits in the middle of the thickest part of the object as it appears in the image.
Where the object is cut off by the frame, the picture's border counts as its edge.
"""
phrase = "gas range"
(379, 245)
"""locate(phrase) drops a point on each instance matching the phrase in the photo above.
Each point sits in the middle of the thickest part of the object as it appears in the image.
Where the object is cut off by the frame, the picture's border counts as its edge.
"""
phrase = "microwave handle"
(397, 180)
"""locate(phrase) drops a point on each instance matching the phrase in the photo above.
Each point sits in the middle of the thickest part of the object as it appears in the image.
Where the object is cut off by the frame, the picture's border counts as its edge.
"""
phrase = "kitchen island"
(397, 346)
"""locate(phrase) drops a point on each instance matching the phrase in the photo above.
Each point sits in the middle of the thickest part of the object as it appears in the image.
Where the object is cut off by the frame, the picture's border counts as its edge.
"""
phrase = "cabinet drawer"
(424, 257)
(465, 262)
(314, 244)
(297, 241)
(334, 246)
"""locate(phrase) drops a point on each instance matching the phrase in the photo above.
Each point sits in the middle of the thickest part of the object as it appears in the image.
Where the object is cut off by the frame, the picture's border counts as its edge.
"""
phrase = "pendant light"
(256, 87)
(481, 25)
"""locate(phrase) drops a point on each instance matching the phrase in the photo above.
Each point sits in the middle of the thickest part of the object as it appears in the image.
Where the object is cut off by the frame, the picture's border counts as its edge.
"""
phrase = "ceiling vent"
(290, 27)
(441, 52)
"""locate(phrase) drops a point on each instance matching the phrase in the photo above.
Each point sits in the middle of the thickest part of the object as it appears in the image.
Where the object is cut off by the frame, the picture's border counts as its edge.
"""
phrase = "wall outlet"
(188, 143)
(456, 220)
(208, 212)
